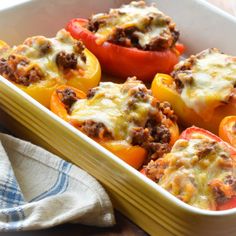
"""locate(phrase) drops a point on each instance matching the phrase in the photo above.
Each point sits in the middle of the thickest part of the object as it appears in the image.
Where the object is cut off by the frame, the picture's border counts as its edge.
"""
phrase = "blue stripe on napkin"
(11, 197)
(61, 183)
(11, 200)
(10, 193)
(15, 218)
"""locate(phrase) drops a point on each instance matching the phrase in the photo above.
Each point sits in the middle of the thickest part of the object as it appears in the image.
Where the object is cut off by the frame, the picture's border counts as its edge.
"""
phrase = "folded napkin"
(39, 190)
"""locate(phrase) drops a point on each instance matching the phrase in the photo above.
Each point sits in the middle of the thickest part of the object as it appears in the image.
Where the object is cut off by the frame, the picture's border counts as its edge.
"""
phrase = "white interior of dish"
(38, 18)
(201, 24)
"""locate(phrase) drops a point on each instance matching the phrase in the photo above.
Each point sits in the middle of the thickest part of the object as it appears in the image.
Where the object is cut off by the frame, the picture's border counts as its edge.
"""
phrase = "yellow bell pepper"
(163, 89)
(82, 78)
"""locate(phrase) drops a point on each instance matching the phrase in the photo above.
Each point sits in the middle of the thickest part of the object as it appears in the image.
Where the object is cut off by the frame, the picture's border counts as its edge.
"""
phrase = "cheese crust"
(125, 112)
(44, 60)
(198, 171)
(206, 81)
(135, 25)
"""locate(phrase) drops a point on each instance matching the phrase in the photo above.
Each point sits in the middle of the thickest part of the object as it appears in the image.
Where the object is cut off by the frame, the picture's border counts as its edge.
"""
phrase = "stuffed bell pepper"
(133, 40)
(201, 89)
(41, 64)
(124, 118)
(199, 170)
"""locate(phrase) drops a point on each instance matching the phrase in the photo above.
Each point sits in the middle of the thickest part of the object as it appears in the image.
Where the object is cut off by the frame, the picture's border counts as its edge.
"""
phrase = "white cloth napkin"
(40, 190)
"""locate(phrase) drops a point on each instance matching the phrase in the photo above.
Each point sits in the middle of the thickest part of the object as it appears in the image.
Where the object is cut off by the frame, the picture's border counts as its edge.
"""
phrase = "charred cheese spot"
(206, 81)
(135, 25)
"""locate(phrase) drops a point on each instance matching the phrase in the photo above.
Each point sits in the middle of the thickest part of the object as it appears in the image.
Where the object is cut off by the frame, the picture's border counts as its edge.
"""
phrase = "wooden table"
(124, 226)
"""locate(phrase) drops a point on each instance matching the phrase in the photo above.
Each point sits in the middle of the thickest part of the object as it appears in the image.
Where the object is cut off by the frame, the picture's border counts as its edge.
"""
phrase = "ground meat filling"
(95, 129)
(167, 110)
(32, 76)
(67, 97)
(79, 48)
(223, 191)
(129, 38)
(121, 37)
(94, 24)
(132, 35)
(166, 40)
(137, 95)
(91, 93)
(155, 169)
(17, 70)
(155, 136)
(182, 73)
(66, 60)
(205, 149)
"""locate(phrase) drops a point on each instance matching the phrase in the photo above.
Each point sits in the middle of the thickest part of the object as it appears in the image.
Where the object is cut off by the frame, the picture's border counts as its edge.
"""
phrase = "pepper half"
(122, 61)
(132, 155)
(163, 88)
(100, 115)
(40, 65)
(199, 170)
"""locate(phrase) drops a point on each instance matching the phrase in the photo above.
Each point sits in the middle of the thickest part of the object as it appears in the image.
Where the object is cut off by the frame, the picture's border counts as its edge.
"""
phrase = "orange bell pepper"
(163, 89)
(58, 107)
(227, 130)
(133, 155)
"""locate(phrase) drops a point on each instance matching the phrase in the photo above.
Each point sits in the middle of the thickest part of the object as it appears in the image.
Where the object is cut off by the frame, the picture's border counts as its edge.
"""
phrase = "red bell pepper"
(188, 134)
(123, 61)
(222, 191)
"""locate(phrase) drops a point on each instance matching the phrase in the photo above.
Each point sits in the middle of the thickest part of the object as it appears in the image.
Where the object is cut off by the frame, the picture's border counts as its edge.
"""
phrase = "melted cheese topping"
(32, 50)
(110, 106)
(189, 174)
(133, 15)
(213, 80)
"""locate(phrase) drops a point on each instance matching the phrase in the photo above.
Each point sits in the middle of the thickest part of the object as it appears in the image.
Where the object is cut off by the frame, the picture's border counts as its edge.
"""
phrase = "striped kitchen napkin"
(40, 190)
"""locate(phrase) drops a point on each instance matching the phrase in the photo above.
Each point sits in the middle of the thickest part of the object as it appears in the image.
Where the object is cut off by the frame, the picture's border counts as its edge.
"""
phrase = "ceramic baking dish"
(143, 201)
